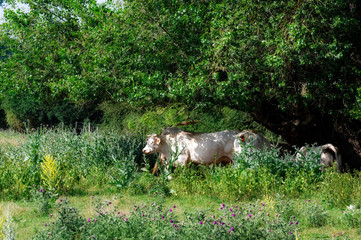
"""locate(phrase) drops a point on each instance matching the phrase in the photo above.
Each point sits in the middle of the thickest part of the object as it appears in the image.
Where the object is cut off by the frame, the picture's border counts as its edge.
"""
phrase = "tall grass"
(90, 159)
(107, 161)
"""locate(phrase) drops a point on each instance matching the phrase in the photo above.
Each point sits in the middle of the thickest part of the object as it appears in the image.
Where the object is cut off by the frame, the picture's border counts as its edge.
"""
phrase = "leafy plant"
(50, 174)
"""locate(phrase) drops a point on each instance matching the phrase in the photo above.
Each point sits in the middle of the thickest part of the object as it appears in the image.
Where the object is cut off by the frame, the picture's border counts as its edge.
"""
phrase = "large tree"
(295, 66)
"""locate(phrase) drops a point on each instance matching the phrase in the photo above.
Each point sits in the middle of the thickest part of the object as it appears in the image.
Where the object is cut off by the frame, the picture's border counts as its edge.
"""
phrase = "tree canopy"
(294, 65)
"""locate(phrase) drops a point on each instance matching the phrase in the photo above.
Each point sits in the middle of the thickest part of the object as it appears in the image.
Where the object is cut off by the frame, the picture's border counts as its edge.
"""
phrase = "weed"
(315, 215)
(50, 173)
(154, 220)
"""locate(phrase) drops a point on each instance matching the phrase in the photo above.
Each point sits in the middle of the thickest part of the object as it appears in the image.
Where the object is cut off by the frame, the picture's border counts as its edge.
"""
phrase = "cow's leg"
(155, 169)
(224, 160)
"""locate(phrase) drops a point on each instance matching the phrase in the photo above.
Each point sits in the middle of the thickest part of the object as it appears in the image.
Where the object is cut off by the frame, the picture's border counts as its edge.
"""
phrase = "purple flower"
(100, 213)
(291, 222)
(156, 192)
(110, 203)
(162, 217)
(215, 222)
(50, 215)
(290, 232)
(220, 208)
(232, 229)
(222, 223)
(174, 206)
(154, 219)
(201, 222)
(88, 219)
(95, 220)
(170, 210)
(44, 224)
(142, 215)
(223, 205)
(41, 190)
(233, 215)
(91, 197)
(262, 204)
(118, 212)
(126, 219)
(171, 220)
(92, 236)
(59, 199)
(135, 206)
(250, 215)
(296, 223)
(230, 209)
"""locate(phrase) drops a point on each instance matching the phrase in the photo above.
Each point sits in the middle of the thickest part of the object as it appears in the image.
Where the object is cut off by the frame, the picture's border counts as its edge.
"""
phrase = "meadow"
(58, 184)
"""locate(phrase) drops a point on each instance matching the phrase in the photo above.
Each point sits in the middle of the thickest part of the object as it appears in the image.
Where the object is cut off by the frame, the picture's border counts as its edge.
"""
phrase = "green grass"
(99, 166)
(11, 137)
(29, 220)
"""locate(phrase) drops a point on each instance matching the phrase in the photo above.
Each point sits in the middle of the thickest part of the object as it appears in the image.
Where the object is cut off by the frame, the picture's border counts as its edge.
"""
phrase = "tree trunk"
(300, 126)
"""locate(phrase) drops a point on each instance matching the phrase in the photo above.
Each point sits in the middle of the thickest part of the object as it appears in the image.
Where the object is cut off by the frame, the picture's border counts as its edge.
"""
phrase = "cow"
(248, 139)
(329, 154)
(185, 147)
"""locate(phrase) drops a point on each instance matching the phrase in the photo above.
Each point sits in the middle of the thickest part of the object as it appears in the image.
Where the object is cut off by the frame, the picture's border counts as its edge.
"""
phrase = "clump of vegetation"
(154, 220)
(65, 162)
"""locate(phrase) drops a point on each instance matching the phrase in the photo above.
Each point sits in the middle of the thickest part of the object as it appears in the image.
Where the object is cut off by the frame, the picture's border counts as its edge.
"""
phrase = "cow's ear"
(157, 140)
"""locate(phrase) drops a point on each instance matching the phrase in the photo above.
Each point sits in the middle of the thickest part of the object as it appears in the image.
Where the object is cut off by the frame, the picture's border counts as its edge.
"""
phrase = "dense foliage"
(241, 54)
(294, 65)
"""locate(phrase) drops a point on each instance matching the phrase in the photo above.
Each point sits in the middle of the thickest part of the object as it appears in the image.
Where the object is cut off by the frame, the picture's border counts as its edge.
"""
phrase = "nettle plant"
(153, 220)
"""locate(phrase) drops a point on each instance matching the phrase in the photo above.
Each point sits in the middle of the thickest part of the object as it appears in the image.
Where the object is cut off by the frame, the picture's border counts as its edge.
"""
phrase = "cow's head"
(152, 144)
(241, 137)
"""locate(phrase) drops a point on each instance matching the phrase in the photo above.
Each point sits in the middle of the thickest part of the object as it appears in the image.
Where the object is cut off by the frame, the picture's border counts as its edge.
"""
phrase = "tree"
(294, 65)
(41, 76)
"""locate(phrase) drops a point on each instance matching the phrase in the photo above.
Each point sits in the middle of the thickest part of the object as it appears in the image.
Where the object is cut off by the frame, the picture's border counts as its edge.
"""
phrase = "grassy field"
(29, 220)
(103, 176)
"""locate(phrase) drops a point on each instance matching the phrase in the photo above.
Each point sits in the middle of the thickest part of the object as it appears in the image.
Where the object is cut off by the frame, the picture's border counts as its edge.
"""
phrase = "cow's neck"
(165, 149)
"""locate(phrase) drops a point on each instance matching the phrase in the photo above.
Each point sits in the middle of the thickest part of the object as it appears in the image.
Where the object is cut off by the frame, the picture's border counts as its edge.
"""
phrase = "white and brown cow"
(185, 147)
(248, 140)
(329, 154)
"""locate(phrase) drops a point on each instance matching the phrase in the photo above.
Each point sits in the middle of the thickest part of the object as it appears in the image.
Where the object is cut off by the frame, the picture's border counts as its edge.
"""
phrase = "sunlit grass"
(29, 220)
(93, 169)
(11, 137)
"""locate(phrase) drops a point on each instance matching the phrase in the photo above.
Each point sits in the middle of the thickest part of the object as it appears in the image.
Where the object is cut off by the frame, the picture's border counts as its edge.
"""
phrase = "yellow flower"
(50, 173)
